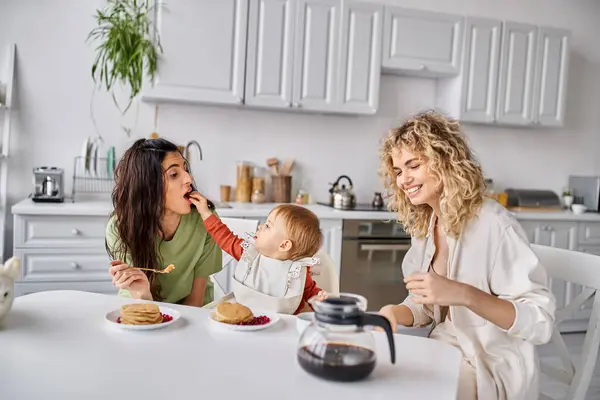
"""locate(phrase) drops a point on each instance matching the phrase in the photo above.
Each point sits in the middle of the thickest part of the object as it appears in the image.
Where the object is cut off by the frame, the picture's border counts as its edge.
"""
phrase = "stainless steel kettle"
(342, 197)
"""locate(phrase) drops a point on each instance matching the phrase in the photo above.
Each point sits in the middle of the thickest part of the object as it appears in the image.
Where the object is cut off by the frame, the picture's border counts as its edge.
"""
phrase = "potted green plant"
(128, 48)
(567, 198)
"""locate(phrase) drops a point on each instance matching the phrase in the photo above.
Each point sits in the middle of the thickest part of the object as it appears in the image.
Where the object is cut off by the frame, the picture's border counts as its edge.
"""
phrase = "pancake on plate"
(232, 313)
(140, 314)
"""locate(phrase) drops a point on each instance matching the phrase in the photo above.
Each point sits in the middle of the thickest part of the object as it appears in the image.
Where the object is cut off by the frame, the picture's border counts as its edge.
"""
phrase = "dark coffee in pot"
(337, 361)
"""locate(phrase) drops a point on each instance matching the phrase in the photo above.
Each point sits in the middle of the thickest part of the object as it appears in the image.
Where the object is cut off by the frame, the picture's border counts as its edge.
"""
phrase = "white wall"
(54, 90)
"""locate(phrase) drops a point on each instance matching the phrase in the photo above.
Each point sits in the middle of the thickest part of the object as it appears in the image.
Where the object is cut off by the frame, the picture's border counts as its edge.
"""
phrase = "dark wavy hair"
(139, 203)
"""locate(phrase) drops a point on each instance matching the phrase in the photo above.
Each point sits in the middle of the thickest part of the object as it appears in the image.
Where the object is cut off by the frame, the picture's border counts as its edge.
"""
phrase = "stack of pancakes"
(232, 313)
(141, 314)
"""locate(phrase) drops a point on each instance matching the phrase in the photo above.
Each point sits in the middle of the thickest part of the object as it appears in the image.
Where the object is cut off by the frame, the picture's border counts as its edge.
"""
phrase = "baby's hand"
(322, 295)
(201, 204)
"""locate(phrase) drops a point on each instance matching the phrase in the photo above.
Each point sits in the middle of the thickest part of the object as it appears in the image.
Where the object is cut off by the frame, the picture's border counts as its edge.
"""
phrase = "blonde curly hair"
(440, 142)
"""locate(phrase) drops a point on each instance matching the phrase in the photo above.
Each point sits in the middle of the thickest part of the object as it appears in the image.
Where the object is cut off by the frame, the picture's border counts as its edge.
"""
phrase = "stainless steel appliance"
(342, 197)
(48, 185)
(371, 265)
(532, 198)
(586, 190)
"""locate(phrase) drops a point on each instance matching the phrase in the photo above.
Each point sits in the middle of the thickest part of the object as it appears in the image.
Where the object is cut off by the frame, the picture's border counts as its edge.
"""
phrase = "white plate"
(112, 316)
(272, 316)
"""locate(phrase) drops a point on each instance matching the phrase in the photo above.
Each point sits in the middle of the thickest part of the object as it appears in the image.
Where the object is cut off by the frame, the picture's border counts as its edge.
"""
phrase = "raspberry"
(263, 319)
(166, 318)
(119, 320)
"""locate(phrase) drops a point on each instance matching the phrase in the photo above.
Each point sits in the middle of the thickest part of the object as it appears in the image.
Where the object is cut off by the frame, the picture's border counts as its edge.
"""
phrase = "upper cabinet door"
(551, 78)
(517, 72)
(360, 57)
(419, 42)
(480, 70)
(317, 55)
(204, 58)
(270, 56)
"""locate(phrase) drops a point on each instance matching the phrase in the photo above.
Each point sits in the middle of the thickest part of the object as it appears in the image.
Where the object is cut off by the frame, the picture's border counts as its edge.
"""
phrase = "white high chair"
(581, 269)
(325, 273)
(221, 280)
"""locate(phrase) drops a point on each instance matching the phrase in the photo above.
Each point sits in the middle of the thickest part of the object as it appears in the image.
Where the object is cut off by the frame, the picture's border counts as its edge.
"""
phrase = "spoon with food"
(169, 268)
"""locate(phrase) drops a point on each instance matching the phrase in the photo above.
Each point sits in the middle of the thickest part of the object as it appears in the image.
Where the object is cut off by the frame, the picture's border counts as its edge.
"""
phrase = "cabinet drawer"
(589, 233)
(62, 266)
(59, 231)
(24, 288)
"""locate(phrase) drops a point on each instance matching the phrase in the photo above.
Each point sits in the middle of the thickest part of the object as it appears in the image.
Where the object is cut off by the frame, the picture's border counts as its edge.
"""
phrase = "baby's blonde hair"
(303, 229)
(444, 147)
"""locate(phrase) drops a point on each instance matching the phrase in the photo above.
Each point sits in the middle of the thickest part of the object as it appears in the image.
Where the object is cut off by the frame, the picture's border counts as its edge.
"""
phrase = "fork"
(169, 268)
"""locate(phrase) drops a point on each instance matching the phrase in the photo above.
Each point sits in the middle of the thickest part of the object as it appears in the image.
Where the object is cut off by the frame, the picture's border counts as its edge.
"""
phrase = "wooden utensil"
(169, 268)
(273, 163)
(288, 165)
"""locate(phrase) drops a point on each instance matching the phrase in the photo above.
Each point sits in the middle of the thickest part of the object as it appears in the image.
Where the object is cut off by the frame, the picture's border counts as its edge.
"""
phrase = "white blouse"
(493, 255)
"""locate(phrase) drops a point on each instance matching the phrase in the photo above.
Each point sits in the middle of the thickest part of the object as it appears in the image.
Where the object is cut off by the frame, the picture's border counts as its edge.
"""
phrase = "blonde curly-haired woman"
(470, 271)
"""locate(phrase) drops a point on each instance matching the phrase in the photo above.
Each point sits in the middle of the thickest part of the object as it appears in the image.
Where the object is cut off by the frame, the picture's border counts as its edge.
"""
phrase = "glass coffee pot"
(335, 346)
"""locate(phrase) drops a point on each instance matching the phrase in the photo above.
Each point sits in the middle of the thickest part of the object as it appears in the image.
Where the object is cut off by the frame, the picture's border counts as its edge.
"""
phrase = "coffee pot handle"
(382, 322)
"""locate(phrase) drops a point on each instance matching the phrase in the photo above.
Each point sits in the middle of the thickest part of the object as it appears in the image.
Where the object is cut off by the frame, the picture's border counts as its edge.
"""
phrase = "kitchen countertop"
(249, 210)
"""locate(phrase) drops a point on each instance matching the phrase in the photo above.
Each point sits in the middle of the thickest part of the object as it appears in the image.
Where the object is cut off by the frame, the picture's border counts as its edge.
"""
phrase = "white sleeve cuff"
(420, 317)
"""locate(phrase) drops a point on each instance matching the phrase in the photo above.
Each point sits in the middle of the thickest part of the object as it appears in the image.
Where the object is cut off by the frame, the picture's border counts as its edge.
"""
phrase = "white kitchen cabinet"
(24, 288)
(61, 252)
(332, 240)
(50, 265)
(204, 57)
(422, 43)
(512, 74)
(589, 234)
(360, 57)
(270, 53)
(472, 96)
(314, 55)
(517, 72)
(316, 59)
(552, 233)
(551, 76)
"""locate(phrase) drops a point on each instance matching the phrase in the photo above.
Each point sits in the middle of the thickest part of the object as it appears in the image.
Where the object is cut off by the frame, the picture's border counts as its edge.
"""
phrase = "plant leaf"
(128, 42)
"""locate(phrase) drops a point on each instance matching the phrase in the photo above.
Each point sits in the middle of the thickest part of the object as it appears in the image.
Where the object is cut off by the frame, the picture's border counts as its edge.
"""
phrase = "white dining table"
(58, 345)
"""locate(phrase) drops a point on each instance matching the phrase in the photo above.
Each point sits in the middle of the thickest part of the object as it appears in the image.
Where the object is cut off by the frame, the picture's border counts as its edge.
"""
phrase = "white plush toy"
(9, 273)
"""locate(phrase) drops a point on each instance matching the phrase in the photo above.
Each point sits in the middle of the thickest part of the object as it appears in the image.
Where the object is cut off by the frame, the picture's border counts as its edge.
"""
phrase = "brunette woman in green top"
(154, 224)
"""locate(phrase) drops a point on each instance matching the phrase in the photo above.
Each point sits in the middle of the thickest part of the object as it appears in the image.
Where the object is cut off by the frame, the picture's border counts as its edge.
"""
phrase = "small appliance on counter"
(531, 199)
(342, 197)
(586, 190)
(48, 185)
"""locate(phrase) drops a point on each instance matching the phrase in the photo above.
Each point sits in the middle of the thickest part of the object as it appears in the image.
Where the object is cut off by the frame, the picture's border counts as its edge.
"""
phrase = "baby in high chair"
(273, 270)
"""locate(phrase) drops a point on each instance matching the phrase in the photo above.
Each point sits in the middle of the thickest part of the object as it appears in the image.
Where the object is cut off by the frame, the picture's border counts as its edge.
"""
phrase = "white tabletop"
(58, 345)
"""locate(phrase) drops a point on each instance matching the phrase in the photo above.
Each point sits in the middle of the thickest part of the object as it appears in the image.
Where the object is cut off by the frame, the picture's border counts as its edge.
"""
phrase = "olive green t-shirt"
(193, 252)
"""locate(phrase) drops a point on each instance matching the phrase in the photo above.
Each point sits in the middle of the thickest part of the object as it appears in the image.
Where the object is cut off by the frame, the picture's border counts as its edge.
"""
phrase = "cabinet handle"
(75, 232)
(74, 265)
(389, 247)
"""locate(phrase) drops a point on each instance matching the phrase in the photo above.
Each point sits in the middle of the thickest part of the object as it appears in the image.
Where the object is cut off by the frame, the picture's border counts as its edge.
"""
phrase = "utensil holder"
(282, 188)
